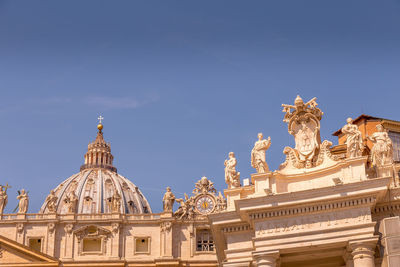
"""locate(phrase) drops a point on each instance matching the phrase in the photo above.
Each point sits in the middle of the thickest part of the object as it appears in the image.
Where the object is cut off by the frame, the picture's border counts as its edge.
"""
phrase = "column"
(266, 258)
(363, 254)
(348, 258)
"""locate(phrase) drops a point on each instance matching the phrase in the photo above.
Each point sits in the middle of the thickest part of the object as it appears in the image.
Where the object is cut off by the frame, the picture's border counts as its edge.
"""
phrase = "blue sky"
(181, 83)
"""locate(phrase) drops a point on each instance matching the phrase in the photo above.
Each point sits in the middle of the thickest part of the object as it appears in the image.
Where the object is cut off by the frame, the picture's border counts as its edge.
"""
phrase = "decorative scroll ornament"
(304, 124)
(204, 201)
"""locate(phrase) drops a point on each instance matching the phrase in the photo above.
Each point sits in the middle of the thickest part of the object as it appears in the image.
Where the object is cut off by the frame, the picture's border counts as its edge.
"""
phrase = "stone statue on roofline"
(382, 151)
(168, 200)
(51, 201)
(258, 154)
(232, 177)
(185, 211)
(23, 201)
(354, 140)
(303, 121)
(3, 197)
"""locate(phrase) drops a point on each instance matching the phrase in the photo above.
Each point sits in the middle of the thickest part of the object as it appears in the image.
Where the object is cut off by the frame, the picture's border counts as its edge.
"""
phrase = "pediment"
(92, 231)
(12, 252)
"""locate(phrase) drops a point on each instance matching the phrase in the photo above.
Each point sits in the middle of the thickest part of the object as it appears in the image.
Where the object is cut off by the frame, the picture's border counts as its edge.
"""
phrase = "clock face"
(205, 204)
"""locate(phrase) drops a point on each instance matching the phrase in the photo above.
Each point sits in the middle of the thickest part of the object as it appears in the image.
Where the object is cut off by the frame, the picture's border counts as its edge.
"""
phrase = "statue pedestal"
(262, 184)
(21, 216)
(388, 171)
(166, 214)
(233, 194)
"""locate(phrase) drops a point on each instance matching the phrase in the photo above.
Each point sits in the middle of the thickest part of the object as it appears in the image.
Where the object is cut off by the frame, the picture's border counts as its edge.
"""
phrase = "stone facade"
(97, 217)
(326, 206)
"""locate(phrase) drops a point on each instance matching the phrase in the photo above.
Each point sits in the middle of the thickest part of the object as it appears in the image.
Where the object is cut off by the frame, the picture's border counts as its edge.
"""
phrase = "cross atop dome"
(99, 152)
(100, 125)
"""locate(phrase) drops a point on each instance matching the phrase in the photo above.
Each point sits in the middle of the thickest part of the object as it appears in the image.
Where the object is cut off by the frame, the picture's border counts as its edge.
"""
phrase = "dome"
(97, 188)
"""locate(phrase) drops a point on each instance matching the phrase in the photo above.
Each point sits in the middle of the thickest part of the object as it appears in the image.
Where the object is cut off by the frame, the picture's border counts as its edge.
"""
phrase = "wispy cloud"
(45, 104)
(120, 102)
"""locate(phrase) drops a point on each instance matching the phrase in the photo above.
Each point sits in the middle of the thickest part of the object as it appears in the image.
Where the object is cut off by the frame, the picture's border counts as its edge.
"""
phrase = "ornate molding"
(51, 227)
(236, 228)
(68, 228)
(20, 228)
(165, 227)
(115, 228)
(92, 231)
(313, 208)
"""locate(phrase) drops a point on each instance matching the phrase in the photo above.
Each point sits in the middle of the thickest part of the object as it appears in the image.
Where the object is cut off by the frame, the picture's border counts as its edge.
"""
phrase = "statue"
(221, 202)
(23, 201)
(232, 177)
(51, 201)
(354, 139)
(3, 197)
(168, 200)
(303, 119)
(72, 201)
(186, 208)
(382, 151)
(116, 202)
(258, 154)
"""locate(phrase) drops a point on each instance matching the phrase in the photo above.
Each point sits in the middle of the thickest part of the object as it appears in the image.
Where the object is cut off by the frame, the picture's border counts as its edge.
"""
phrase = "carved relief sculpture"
(168, 200)
(51, 201)
(258, 154)
(304, 124)
(221, 203)
(354, 139)
(71, 200)
(3, 197)
(232, 177)
(382, 151)
(185, 211)
(204, 201)
(23, 201)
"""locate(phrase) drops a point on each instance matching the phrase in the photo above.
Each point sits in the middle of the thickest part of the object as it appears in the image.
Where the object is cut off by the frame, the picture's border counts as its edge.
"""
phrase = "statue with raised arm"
(3, 197)
(258, 154)
(232, 177)
(23, 201)
(51, 201)
(382, 151)
(354, 139)
(168, 200)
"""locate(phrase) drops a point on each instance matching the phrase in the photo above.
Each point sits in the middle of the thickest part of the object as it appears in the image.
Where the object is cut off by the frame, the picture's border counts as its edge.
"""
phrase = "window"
(395, 137)
(35, 244)
(91, 245)
(204, 240)
(142, 245)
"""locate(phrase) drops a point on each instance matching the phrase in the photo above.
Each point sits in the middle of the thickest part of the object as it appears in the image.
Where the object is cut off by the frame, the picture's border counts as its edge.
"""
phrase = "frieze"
(313, 208)
(313, 222)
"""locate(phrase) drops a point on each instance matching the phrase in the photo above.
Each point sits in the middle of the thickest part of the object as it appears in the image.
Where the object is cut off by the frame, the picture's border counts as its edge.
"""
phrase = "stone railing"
(79, 217)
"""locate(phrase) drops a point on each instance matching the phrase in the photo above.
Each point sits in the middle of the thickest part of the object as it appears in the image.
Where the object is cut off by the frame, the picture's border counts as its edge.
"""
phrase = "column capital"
(363, 249)
(266, 258)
